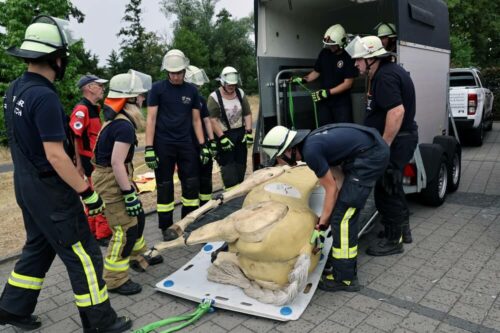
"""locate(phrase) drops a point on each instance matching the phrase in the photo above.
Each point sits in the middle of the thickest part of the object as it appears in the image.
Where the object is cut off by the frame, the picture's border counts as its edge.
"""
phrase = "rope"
(204, 307)
(291, 105)
(229, 273)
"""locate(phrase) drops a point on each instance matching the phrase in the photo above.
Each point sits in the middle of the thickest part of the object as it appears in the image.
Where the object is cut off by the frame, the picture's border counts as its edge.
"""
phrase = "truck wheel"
(489, 127)
(454, 171)
(435, 192)
(477, 135)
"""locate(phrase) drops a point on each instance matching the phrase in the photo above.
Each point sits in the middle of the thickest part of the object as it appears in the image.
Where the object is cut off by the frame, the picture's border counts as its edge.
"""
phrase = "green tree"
(140, 50)
(212, 41)
(475, 32)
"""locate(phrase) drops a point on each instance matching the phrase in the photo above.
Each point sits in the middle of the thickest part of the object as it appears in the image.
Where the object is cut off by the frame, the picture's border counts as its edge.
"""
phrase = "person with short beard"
(113, 175)
(336, 70)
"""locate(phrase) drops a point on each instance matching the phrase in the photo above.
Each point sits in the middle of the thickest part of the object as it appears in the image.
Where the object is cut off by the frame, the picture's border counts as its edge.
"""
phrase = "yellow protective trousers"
(126, 244)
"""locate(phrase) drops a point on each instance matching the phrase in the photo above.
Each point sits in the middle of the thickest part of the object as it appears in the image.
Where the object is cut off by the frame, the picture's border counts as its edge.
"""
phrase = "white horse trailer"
(289, 35)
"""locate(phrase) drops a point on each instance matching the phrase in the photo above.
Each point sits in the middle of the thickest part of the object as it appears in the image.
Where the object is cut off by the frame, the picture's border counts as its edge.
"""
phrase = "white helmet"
(279, 138)
(174, 61)
(366, 47)
(131, 84)
(196, 76)
(386, 30)
(229, 75)
(335, 35)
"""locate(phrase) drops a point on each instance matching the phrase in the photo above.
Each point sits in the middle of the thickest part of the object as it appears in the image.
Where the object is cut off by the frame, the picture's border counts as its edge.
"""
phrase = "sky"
(103, 21)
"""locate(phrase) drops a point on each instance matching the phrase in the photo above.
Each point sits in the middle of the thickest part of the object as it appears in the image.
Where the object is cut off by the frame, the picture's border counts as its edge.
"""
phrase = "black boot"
(121, 324)
(27, 323)
(128, 288)
(391, 245)
(407, 239)
(383, 233)
(328, 283)
(169, 234)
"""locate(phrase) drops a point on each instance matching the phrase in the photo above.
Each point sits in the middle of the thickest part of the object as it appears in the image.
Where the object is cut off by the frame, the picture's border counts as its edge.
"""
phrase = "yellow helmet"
(386, 30)
(279, 138)
(335, 35)
(174, 61)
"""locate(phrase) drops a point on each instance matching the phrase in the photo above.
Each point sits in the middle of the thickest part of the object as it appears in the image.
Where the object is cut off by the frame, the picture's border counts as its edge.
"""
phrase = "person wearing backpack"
(231, 119)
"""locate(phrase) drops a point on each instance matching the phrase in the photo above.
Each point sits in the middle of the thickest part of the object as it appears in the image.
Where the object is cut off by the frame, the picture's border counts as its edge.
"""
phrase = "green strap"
(204, 307)
(291, 106)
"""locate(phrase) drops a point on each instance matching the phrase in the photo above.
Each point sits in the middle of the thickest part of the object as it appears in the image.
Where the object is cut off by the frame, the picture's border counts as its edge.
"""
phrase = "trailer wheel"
(435, 192)
(454, 172)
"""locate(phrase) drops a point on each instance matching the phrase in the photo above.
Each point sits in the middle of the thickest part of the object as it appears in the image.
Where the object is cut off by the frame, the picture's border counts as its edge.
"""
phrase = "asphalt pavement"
(447, 280)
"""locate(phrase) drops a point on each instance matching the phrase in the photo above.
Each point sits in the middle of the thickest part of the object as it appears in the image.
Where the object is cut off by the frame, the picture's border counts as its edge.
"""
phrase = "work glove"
(320, 95)
(205, 154)
(391, 180)
(132, 203)
(225, 143)
(248, 138)
(298, 80)
(92, 201)
(150, 157)
(318, 237)
(212, 146)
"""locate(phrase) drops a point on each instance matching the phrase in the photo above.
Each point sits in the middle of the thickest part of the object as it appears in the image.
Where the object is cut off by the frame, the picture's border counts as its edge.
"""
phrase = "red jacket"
(85, 124)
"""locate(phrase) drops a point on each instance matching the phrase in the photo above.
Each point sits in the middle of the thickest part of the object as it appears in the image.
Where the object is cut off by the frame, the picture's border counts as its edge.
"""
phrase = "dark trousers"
(54, 225)
(206, 182)
(393, 206)
(187, 159)
(361, 174)
(329, 113)
(233, 163)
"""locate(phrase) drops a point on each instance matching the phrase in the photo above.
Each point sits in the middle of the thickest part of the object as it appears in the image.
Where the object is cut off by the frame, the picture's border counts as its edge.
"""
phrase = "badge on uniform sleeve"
(340, 64)
(77, 125)
(80, 114)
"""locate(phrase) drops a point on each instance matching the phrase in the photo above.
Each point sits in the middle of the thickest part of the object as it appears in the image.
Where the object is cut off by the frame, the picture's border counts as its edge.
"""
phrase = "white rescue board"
(190, 282)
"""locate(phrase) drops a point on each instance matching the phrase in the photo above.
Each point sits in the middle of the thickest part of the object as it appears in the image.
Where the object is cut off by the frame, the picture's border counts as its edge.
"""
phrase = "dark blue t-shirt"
(38, 117)
(391, 86)
(119, 130)
(334, 69)
(174, 120)
(203, 114)
(331, 147)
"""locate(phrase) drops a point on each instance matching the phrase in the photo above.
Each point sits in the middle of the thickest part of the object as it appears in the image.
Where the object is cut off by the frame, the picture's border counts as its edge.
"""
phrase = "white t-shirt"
(233, 111)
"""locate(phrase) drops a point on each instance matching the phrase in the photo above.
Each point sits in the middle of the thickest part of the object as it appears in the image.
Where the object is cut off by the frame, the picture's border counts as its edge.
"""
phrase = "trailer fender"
(431, 156)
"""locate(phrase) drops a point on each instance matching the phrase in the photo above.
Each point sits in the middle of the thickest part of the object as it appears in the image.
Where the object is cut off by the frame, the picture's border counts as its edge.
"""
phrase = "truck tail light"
(409, 174)
(471, 104)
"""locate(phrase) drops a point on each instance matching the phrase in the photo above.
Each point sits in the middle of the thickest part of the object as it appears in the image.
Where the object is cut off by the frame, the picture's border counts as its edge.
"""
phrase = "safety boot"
(406, 231)
(121, 324)
(169, 234)
(128, 288)
(328, 283)
(27, 323)
(391, 245)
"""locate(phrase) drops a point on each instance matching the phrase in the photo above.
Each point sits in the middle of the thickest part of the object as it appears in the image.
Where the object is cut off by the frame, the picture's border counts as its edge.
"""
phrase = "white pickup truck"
(471, 104)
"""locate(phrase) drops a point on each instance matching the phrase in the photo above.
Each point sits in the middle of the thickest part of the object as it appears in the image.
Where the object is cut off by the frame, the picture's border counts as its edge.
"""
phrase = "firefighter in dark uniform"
(48, 190)
(232, 124)
(198, 77)
(85, 123)
(390, 110)
(336, 70)
(173, 112)
(363, 156)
